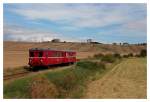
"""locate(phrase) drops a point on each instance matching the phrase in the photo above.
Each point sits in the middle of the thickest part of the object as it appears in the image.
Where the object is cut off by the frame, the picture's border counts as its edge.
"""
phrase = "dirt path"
(125, 80)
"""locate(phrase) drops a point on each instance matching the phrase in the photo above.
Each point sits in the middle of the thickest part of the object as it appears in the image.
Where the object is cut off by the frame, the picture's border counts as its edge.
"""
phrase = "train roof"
(43, 49)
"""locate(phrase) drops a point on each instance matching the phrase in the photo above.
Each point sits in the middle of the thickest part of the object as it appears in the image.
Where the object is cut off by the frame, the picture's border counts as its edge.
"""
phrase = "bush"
(90, 65)
(125, 56)
(41, 87)
(99, 55)
(137, 55)
(108, 58)
(117, 55)
(86, 64)
(143, 53)
(130, 55)
(67, 82)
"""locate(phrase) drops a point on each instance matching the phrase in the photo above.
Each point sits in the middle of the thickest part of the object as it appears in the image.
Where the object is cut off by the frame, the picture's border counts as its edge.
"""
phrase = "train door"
(52, 57)
(34, 58)
(67, 57)
(49, 56)
(45, 57)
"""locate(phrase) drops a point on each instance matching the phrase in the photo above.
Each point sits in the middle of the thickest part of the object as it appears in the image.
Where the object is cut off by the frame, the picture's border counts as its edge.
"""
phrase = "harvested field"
(126, 80)
(16, 53)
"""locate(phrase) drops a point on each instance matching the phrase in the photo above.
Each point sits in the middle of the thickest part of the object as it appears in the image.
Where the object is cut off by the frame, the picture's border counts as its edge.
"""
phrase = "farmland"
(126, 80)
(16, 53)
(94, 76)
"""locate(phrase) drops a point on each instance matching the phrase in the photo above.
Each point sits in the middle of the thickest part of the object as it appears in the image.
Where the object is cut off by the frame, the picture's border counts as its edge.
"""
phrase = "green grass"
(70, 83)
(17, 88)
(109, 58)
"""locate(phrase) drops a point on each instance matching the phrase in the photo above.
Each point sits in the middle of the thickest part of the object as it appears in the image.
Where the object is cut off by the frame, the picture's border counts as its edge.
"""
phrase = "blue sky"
(104, 23)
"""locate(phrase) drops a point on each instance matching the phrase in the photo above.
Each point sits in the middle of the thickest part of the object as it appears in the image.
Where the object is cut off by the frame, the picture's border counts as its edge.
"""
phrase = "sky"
(101, 22)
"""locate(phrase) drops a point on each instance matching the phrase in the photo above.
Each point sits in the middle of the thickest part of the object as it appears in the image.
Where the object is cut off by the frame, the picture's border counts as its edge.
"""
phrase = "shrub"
(101, 65)
(99, 55)
(125, 56)
(41, 87)
(117, 55)
(90, 65)
(137, 55)
(108, 58)
(86, 64)
(130, 55)
(67, 82)
(143, 53)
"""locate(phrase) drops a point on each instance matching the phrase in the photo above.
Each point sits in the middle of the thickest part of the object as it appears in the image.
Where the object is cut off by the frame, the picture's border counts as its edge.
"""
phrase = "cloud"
(138, 25)
(80, 15)
(67, 20)
(17, 33)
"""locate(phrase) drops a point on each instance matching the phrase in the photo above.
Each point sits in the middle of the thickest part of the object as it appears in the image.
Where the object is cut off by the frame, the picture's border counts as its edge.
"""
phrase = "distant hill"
(79, 47)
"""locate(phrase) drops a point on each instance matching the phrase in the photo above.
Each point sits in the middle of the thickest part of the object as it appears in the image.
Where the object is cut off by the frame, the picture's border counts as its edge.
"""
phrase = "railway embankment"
(74, 81)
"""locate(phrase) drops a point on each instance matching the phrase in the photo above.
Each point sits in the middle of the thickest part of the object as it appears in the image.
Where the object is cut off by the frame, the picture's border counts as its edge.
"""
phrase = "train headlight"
(41, 60)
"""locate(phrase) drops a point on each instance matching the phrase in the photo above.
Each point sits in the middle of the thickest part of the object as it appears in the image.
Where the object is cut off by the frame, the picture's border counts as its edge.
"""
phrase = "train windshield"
(31, 54)
(36, 54)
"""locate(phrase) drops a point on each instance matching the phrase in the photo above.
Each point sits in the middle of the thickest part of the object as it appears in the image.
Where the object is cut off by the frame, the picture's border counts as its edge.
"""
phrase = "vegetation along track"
(16, 75)
(23, 73)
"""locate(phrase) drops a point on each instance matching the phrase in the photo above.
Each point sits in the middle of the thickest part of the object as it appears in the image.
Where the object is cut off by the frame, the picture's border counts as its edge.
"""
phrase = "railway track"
(24, 73)
(16, 75)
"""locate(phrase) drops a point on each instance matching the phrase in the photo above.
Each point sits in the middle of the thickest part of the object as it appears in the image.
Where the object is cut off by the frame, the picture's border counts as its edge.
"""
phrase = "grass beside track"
(67, 83)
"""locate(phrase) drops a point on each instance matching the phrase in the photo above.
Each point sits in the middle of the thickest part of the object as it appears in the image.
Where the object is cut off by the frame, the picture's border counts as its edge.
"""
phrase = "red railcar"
(46, 57)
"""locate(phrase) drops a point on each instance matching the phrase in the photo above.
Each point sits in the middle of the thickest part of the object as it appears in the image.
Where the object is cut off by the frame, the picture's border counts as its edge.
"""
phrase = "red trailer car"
(46, 57)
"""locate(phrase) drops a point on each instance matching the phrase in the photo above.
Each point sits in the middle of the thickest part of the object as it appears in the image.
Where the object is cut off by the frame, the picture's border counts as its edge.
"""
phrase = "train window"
(71, 54)
(31, 54)
(54, 54)
(46, 54)
(40, 54)
(58, 54)
(63, 54)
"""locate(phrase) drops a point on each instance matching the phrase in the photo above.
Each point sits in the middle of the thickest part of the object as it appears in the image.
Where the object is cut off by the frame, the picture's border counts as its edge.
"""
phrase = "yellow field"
(126, 80)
